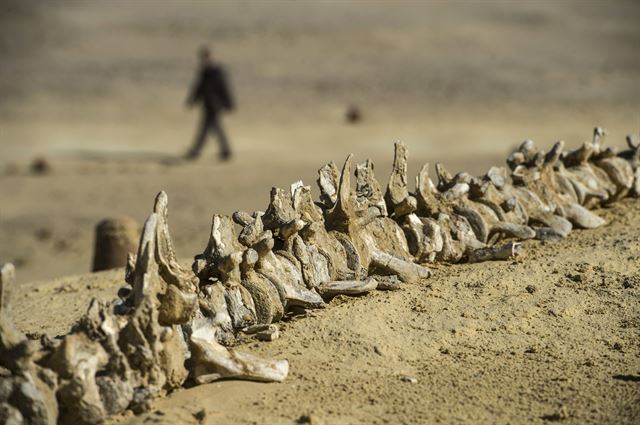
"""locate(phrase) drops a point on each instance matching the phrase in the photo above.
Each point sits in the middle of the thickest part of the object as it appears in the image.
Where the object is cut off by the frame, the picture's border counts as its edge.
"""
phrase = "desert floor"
(553, 336)
(97, 89)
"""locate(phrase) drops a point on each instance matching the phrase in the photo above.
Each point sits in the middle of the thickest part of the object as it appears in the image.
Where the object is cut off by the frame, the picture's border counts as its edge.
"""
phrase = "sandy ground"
(98, 89)
(552, 337)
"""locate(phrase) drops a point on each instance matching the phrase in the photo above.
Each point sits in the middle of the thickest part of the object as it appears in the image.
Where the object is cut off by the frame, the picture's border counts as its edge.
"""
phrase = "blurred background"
(94, 92)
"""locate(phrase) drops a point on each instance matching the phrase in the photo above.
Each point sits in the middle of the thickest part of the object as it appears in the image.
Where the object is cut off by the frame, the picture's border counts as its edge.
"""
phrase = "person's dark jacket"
(212, 90)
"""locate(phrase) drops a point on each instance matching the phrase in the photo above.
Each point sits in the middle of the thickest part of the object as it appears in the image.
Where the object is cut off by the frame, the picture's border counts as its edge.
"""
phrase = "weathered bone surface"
(347, 287)
(172, 324)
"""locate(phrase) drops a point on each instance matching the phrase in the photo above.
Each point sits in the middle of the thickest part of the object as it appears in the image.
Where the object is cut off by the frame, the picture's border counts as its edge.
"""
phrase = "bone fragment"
(280, 210)
(268, 306)
(445, 179)
(254, 329)
(214, 362)
(503, 252)
(341, 214)
(458, 190)
(281, 270)
(478, 224)
(397, 194)
(426, 193)
(548, 234)
(291, 228)
(621, 174)
(77, 361)
(518, 231)
(582, 217)
(406, 271)
(176, 307)
(328, 184)
(7, 283)
(407, 206)
(242, 218)
(251, 232)
(347, 287)
(497, 176)
(368, 189)
(304, 206)
(271, 333)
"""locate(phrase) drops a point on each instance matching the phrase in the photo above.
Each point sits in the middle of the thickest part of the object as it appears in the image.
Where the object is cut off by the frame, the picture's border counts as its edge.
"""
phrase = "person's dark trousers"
(210, 122)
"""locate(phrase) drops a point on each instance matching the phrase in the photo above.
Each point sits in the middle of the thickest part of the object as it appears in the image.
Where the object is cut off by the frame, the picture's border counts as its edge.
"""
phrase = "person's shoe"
(225, 156)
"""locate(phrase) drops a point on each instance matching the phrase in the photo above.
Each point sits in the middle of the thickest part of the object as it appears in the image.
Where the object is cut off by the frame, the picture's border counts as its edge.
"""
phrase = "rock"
(200, 415)
(40, 166)
(43, 234)
(115, 238)
(310, 419)
(409, 379)
(560, 415)
(353, 114)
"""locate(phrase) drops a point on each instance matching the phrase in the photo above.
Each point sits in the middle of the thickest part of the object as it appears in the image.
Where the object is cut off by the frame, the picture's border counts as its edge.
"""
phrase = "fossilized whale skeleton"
(172, 324)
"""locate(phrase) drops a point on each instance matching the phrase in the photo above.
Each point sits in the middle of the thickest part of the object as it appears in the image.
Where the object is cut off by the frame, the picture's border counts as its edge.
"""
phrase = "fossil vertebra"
(172, 324)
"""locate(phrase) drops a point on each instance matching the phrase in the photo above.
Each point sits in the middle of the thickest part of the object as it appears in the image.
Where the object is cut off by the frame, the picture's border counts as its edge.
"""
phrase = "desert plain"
(97, 90)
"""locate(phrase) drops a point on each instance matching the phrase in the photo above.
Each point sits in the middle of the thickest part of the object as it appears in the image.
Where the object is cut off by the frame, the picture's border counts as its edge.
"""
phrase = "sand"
(552, 336)
(97, 90)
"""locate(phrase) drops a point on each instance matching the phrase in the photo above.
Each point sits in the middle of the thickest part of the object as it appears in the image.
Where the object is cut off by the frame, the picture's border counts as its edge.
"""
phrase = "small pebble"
(40, 166)
(310, 419)
(200, 415)
(409, 379)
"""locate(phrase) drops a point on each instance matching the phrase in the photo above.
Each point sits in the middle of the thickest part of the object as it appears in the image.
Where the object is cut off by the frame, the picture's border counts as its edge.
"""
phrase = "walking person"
(212, 92)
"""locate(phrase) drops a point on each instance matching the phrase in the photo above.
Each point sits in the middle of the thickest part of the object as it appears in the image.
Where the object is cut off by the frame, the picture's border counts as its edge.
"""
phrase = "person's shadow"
(114, 155)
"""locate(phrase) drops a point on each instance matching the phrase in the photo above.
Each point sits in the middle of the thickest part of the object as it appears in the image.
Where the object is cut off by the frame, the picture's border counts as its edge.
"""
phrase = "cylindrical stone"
(115, 238)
